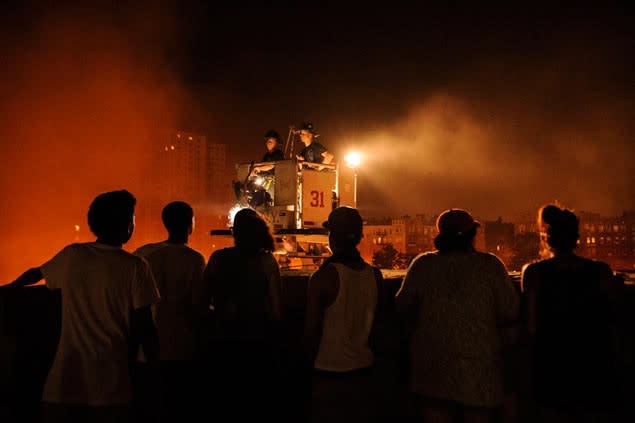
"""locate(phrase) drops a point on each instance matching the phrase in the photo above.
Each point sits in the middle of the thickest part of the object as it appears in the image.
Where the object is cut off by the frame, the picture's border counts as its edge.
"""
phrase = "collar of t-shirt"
(105, 246)
(348, 257)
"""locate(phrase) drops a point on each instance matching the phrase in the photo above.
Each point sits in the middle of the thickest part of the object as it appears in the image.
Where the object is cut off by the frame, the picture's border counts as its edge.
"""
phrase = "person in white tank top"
(342, 301)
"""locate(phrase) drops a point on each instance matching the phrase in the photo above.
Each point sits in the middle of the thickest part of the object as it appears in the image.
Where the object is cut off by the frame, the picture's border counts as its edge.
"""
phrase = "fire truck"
(295, 197)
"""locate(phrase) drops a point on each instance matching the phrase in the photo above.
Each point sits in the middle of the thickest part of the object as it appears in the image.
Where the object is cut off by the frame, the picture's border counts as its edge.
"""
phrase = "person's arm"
(263, 168)
(200, 303)
(529, 285)
(300, 156)
(613, 287)
(327, 157)
(384, 332)
(382, 292)
(277, 333)
(275, 292)
(506, 296)
(407, 299)
(210, 278)
(30, 277)
(322, 288)
(145, 332)
(507, 305)
(142, 327)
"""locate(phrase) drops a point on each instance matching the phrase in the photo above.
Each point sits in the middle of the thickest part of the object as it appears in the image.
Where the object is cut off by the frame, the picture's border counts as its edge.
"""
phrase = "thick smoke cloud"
(446, 154)
(509, 134)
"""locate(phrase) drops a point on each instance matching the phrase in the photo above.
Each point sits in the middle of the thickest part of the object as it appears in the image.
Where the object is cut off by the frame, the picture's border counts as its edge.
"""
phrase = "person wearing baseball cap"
(313, 151)
(272, 141)
(342, 300)
(454, 300)
(267, 171)
(456, 227)
(347, 222)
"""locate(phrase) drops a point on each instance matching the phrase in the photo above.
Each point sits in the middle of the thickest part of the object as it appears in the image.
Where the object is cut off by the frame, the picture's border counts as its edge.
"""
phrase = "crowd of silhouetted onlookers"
(163, 334)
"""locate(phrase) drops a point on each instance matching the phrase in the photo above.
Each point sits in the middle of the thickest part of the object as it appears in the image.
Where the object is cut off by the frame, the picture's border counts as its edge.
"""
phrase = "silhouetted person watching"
(244, 287)
(106, 297)
(342, 300)
(571, 316)
(178, 271)
(454, 301)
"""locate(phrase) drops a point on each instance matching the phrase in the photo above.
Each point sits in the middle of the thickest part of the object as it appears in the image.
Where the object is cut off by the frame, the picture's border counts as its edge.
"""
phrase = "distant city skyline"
(607, 238)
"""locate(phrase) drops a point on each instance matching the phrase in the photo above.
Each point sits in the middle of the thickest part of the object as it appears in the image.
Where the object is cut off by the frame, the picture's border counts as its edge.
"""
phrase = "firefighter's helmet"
(308, 126)
(272, 134)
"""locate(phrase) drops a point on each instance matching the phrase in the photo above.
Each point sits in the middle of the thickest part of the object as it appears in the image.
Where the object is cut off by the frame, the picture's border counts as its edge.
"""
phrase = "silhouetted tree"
(386, 257)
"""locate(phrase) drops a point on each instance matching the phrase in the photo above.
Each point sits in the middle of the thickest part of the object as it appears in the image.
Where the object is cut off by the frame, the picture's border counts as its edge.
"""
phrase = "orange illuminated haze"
(466, 110)
(81, 100)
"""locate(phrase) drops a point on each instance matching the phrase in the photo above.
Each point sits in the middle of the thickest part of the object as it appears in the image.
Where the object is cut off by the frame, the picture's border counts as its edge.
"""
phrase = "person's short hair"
(177, 217)
(345, 224)
(111, 213)
(561, 226)
(456, 221)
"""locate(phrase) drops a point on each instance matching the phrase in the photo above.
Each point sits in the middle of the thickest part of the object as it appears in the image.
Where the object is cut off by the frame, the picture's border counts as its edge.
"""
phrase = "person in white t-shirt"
(178, 271)
(106, 297)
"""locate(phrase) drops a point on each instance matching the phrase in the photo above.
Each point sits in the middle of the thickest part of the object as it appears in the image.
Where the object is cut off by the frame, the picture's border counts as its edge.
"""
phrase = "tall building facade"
(193, 168)
(408, 235)
(609, 239)
(184, 166)
(499, 239)
(420, 233)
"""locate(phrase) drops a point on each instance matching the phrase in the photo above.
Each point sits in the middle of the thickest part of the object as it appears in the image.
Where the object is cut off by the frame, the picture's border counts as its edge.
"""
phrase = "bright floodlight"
(232, 213)
(353, 159)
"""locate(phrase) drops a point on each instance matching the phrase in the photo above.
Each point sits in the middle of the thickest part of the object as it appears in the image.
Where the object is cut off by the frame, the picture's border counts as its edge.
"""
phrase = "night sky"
(496, 110)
